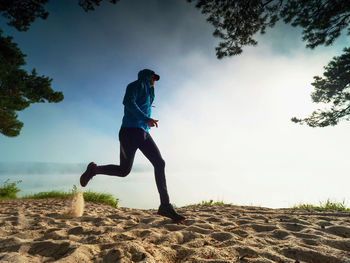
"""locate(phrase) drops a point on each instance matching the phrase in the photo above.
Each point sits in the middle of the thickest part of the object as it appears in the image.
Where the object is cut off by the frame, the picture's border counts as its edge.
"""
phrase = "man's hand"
(152, 123)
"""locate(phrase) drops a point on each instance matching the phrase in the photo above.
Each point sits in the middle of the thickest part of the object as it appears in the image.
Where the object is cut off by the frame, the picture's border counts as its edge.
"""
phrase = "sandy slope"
(36, 231)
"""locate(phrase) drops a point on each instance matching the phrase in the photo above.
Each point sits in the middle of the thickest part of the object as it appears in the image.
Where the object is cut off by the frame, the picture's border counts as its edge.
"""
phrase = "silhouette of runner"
(133, 135)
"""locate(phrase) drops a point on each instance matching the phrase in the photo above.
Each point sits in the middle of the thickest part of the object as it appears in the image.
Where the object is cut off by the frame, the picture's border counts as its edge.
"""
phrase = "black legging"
(132, 139)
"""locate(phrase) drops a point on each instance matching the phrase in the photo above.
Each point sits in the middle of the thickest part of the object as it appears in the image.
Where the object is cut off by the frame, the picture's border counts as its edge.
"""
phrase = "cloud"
(228, 126)
(225, 128)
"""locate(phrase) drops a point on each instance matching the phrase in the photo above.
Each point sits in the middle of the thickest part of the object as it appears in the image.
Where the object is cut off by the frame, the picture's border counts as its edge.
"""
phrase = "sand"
(41, 230)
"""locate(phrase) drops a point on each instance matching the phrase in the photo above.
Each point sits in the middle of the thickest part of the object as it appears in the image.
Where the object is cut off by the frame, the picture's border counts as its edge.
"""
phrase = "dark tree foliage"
(237, 21)
(322, 21)
(89, 5)
(21, 13)
(18, 89)
(333, 89)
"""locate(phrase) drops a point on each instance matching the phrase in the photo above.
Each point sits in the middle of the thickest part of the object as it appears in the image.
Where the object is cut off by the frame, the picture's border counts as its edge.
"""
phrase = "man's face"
(152, 79)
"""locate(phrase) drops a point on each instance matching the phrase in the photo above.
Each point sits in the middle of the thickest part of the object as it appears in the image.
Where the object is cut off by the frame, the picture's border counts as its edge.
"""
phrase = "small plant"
(101, 198)
(210, 202)
(75, 189)
(9, 190)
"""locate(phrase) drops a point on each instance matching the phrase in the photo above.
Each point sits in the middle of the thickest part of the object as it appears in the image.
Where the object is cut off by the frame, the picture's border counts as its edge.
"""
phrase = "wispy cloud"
(225, 128)
(228, 125)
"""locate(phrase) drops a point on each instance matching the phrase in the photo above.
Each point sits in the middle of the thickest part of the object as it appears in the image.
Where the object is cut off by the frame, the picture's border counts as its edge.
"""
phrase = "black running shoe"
(88, 174)
(168, 211)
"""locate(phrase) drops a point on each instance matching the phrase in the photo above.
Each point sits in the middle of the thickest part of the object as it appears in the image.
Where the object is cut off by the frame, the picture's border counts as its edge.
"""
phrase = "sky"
(224, 125)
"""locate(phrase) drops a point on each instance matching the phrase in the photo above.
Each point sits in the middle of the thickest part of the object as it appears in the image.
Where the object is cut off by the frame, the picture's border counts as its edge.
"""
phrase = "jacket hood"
(145, 75)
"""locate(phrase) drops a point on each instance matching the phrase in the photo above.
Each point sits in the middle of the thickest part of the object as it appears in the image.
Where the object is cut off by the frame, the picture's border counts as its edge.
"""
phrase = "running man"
(133, 135)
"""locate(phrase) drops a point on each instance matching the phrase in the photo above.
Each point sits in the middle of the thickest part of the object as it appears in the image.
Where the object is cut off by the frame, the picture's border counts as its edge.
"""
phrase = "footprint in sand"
(15, 257)
(262, 228)
(310, 242)
(293, 227)
(148, 220)
(11, 244)
(340, 231)
(55, 250)
(76, 230)
(338, 244)
(214, 219)
(221, 236)
(279, 234)
(174, 227)
(56, 234)
(308, 255)
(243, 221)
(182, 252)
(200, 230)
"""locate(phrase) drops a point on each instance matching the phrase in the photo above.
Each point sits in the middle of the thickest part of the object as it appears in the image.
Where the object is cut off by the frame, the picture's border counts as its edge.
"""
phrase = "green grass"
(89, 196)
(101, 198)
(207, 203)
(51, 194)
(9, 191)
(328, 205)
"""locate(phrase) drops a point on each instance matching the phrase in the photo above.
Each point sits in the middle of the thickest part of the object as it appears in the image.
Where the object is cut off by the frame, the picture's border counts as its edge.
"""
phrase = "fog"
(224, 125)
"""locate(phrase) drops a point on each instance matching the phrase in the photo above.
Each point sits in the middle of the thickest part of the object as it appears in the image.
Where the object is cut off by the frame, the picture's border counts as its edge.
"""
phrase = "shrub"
(9, 190)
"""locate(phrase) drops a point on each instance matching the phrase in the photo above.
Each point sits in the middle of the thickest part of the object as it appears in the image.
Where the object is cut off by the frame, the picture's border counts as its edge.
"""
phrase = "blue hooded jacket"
(138, 100)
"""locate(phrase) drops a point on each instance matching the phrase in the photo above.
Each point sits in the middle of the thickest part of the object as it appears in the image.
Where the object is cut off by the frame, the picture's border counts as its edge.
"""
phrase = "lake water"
(138, 189)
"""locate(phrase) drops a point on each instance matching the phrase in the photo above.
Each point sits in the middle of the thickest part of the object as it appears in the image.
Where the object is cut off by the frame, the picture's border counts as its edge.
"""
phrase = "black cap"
(156, 76)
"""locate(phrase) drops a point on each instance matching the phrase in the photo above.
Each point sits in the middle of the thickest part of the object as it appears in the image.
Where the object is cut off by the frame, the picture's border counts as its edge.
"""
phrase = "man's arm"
(152, 122)
(130, 103)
